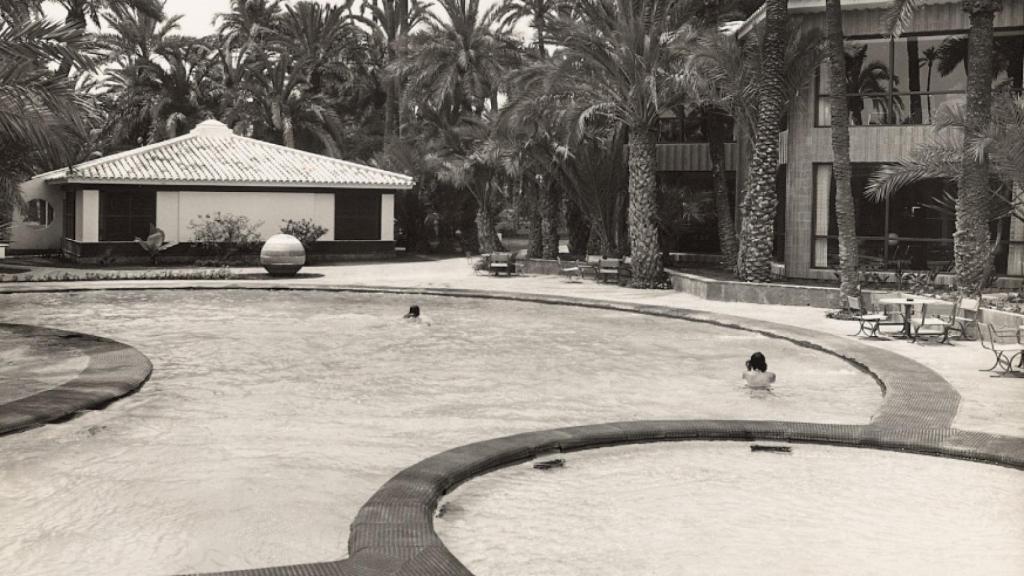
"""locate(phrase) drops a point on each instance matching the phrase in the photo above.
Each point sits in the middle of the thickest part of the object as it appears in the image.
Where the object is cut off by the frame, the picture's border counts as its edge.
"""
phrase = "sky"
(197, 14)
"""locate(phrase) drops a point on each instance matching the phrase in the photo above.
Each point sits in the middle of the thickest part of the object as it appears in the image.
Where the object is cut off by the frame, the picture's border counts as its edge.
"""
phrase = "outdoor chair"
(502, 262)
(1004, 343)
(964, 315)
(570, 269)
(608, 268)
(591, 264)
(936, 325)
(869, 322)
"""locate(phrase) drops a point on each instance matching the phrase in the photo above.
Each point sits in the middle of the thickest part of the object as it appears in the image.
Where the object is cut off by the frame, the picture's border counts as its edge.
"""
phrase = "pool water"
(271, 417)
(719, 508)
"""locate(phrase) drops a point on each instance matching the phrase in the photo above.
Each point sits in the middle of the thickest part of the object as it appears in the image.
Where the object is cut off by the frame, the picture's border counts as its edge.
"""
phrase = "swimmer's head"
(757, 362)
(414, 312)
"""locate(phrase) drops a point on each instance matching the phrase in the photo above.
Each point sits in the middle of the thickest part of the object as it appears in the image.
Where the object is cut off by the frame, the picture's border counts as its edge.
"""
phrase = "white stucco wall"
(31, 236)
(267, 209)
(387, 216)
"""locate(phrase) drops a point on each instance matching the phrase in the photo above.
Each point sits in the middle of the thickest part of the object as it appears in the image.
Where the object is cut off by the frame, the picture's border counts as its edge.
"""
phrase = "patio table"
(908, 303)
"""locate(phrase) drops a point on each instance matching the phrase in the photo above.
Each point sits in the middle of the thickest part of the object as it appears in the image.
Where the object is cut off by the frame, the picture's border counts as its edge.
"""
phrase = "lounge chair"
(608, 268)
(502, 262)
(570, 269)
(1004, 343)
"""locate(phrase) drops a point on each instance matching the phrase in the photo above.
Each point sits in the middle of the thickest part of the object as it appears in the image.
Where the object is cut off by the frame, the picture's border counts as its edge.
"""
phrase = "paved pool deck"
(937, 401)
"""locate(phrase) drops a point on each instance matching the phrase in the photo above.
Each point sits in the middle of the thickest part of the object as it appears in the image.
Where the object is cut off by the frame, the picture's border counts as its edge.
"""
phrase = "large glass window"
(907, 80)
(912, 230)
(125, 216)
(690, 218)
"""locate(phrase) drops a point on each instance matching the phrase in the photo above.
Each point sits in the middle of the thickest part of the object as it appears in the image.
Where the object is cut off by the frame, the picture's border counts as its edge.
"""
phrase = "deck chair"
(501, 262)
(591, 264)
(570, 269)
(608, 268)
(935, 325)
(869, 321)
(1003, 343)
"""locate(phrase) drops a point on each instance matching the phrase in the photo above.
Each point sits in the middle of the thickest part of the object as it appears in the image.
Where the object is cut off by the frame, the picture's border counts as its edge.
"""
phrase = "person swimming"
(413, 315)
(757, 375)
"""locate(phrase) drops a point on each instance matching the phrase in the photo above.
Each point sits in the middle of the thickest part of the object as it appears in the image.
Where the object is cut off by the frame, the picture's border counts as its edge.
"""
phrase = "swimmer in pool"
(757, 375)
(413, 315)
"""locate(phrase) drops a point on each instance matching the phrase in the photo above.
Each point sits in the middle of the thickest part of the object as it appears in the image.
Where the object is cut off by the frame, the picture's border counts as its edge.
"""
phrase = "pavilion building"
(94, 210)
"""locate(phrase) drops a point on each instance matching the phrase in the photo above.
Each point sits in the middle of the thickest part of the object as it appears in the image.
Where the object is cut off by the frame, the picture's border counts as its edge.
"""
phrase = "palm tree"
(616, 64)
(971, 239)
(80, 12)
(759, 203)
(41, 115)
(539, 13)
(845, 215)
(595, 174)
(457, 63)
(863, 77)
(390, 22)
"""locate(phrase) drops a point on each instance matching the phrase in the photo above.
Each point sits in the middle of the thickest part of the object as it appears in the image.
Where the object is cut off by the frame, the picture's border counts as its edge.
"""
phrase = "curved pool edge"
(114, 370)
(393, 533)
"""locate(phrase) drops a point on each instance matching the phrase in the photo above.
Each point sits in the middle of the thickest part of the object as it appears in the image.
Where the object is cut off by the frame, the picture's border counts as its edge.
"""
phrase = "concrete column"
(387, 217)
(168, 215)
(88, 229)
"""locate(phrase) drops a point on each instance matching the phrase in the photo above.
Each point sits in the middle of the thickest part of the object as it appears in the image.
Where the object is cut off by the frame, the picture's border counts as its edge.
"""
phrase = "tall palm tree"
(971, 249)
(41, 114)
(539, 13)
(616, 63)
(759, 203)
(458, 61)
(390, 22)
(81, 12)
(845, 215)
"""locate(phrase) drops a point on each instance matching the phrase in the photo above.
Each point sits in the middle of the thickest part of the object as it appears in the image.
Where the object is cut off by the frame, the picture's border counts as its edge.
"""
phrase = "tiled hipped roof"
(212, 154)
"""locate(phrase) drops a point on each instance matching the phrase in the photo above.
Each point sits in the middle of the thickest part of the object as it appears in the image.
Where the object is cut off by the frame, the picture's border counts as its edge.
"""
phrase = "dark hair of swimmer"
(414, 312)
(757, 362)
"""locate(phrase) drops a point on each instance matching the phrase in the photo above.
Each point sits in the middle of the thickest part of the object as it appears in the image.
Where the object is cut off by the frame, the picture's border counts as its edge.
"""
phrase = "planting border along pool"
(114, 370)
(393, 532)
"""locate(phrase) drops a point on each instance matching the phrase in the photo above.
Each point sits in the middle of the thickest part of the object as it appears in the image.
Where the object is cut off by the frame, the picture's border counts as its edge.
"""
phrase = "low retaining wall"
(734, 291)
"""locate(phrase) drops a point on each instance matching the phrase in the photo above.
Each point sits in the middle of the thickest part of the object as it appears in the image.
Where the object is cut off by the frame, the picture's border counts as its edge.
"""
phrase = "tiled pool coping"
(114, 370)
(393, 532)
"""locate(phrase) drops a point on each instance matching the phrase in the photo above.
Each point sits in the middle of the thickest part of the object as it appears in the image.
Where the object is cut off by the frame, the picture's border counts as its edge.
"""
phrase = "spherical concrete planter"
(282, 255)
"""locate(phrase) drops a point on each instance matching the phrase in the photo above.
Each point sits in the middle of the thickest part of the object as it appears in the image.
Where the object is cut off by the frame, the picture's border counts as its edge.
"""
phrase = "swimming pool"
(272, 416)
(719, 508)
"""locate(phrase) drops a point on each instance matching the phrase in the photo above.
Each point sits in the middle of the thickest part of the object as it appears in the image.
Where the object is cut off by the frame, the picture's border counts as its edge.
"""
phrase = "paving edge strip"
(393, 532)
(114, 370)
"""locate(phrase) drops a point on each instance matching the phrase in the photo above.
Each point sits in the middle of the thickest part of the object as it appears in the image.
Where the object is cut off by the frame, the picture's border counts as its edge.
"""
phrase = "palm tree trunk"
(727, 243)
(643, 209)
(549, 212)
(972, 253)
(760, 201)
(578, 226)
(914, 83)
(487, 235)
(845, 215)
(535, 247)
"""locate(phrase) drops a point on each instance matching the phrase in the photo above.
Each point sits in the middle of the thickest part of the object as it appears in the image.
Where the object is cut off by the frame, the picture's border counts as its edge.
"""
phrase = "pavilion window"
(126, 215)
(357, 215)
(906, 81)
